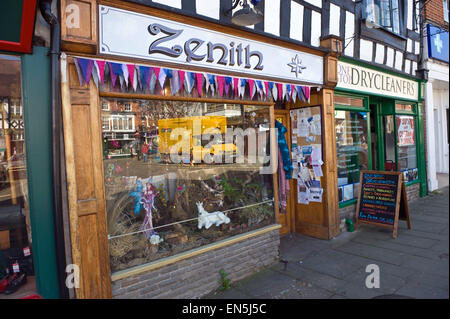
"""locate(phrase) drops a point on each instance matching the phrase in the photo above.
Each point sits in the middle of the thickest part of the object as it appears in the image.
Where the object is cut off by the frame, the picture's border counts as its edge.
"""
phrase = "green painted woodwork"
(420, 138)
(10, 20)
(36, 84)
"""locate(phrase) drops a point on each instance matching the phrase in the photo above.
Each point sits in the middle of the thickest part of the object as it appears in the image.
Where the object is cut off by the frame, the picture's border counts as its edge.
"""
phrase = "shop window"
(352, 149)
(384, 13)
(180, 182)
(348, 101)
(15, 228)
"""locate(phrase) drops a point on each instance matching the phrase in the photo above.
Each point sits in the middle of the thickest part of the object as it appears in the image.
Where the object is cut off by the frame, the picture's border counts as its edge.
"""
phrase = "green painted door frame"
(386, 107)
(36, 92)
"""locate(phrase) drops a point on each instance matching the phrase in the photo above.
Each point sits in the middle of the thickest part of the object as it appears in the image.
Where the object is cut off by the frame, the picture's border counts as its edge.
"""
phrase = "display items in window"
(190, 174)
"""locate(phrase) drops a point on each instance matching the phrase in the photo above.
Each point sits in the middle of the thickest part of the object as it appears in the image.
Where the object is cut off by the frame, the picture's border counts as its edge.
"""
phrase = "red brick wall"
(434, 12)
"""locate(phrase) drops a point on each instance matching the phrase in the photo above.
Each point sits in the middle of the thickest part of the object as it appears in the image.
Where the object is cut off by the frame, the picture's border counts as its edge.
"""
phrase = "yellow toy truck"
(187, 137)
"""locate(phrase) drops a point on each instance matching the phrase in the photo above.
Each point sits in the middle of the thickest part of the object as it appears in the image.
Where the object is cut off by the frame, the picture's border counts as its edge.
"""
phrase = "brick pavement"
(415, 265)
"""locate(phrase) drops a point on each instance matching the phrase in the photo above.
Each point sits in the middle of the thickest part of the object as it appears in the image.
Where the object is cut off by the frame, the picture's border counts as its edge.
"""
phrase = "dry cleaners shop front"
(148, 222)
(379, 126)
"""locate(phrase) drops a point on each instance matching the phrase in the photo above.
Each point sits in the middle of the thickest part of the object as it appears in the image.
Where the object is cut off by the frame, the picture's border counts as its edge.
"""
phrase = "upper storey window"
(445, 7)
(383, 13)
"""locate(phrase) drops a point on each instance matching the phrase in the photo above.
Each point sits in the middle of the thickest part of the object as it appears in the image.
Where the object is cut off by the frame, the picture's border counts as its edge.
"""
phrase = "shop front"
(379, 126)
(27, 237)
(172, 158)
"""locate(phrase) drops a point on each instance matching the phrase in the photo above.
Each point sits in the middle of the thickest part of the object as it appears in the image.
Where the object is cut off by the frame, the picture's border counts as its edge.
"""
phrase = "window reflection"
(15, 229)
(352, 151)
(174, 180)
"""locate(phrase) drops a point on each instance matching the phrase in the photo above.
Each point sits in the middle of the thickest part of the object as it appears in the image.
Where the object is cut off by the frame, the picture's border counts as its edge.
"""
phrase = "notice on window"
(405, 130)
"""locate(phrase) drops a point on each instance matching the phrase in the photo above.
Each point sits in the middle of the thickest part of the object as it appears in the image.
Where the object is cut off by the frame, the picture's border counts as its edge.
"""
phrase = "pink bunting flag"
(251, 84)
(220, 80)
(236, 86)
(157, 70)
(100, 69)
(181, 77)
(199, 78)
(130, 68)
(280, 90)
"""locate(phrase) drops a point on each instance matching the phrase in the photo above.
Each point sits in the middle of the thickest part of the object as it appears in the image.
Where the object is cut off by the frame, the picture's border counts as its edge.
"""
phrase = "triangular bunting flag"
(86, 66)
(236, 86)
(130, 70)
(220, 80)
(126, 74)
(251, 84)
(181, 79)
(100, 65)
(228, 81)
(152, 81)
(162, 78)
(280, 91)
(143, 75)
(190, 81)
(199, 78)
(115, 69)
(80, 75)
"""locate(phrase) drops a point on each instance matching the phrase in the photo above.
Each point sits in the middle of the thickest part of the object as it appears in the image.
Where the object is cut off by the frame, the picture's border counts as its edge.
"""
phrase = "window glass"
(179, 181)
(404, 107)
(352, 151)
(406, 142)
(15, 227)
(395, 17)
(389, 143)
(445, 7)
(384, 13)
(348, 101)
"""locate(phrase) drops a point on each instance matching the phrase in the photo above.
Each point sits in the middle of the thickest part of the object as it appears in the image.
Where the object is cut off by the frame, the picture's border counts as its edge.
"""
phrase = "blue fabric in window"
(284, 149)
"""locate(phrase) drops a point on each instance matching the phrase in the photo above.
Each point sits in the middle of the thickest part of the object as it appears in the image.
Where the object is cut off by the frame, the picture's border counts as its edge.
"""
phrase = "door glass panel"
(15, 230)
(389, 143)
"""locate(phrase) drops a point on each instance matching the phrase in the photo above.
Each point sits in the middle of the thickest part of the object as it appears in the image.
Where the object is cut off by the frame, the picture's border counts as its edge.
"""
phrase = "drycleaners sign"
(357, 78)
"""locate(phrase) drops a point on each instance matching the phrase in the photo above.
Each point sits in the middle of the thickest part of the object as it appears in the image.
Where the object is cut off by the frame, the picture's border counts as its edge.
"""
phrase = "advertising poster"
(405, 130)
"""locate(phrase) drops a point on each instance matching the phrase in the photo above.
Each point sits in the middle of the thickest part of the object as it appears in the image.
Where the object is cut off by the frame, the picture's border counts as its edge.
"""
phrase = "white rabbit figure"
(207, 219)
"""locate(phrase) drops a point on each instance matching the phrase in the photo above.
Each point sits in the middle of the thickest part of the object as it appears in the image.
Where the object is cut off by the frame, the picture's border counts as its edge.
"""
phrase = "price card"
(16, 267)
(26, 251)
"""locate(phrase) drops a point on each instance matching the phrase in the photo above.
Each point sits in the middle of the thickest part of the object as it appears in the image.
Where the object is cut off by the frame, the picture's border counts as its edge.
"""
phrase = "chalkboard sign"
(382, 200)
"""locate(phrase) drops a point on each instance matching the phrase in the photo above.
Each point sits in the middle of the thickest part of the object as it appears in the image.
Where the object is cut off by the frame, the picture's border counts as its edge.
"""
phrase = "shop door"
(285, 219)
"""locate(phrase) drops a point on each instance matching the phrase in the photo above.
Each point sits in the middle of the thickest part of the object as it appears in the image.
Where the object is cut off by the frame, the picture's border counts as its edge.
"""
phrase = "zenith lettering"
(230, 56)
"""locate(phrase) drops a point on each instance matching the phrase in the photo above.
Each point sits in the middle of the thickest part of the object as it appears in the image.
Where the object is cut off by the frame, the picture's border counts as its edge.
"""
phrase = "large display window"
(352, 145)
(182, 174)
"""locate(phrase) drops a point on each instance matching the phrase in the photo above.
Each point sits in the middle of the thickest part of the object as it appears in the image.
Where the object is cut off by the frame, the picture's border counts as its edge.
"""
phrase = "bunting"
(146, 78)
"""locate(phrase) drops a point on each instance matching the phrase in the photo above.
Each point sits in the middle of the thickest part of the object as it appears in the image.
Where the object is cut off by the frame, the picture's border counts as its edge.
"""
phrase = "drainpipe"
(57, 141)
